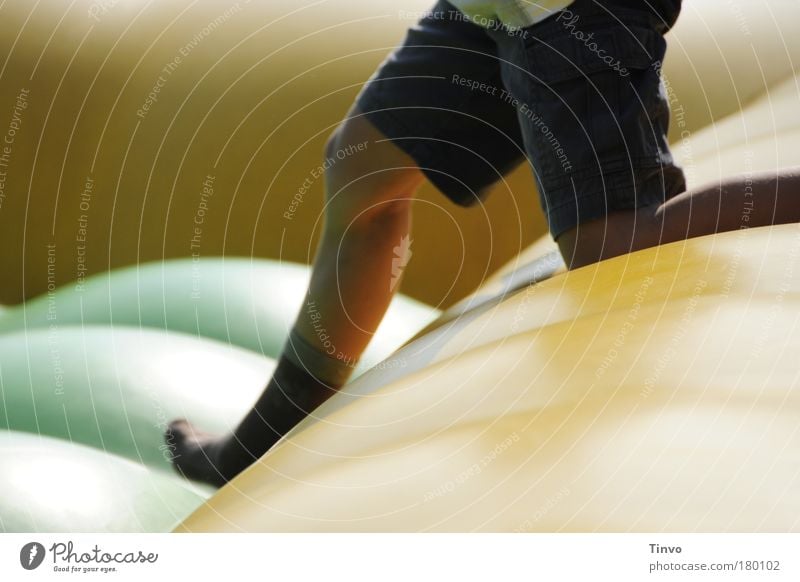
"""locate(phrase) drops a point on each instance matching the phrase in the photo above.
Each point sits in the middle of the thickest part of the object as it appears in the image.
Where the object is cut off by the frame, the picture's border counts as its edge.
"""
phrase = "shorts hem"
(610, 193)
(459, 191)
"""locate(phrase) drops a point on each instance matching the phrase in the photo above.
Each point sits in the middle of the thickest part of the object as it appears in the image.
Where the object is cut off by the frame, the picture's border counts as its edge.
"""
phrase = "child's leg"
(367, 214)
(430, 108)
(739, 202)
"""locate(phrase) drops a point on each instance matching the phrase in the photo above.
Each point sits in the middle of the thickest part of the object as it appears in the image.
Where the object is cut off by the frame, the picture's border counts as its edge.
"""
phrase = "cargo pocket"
(598, 83)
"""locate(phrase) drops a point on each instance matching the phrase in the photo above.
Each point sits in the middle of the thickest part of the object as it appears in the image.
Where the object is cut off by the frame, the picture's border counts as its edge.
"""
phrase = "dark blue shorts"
(579, 95)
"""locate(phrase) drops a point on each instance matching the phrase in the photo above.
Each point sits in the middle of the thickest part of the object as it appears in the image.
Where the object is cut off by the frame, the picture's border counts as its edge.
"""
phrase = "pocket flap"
(576, 53)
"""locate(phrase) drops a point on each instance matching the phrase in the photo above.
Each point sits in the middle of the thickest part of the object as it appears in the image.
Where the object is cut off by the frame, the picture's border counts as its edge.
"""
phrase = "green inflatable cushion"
(51, 485)
(117, 388)
(245, 302)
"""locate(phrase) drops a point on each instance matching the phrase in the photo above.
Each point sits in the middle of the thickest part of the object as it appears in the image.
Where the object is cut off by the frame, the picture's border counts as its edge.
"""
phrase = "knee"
(340, 135)
(616, 234)
(368, 179)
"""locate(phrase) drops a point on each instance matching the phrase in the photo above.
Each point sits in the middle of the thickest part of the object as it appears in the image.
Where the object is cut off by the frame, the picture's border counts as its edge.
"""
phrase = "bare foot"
(198, 455)
(290, 396)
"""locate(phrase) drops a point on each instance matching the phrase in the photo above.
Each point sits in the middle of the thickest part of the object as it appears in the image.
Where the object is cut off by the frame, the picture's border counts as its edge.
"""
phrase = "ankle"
(324, 368)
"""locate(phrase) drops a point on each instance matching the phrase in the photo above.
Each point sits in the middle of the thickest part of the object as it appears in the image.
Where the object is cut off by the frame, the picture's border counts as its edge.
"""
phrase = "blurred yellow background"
(146, 101)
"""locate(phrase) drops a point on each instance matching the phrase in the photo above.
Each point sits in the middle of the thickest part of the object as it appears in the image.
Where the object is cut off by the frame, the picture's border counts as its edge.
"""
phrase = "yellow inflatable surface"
(652, 392)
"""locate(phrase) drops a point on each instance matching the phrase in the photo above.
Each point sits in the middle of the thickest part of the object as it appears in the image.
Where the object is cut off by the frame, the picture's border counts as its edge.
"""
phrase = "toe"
(180, 426)
(182, 432)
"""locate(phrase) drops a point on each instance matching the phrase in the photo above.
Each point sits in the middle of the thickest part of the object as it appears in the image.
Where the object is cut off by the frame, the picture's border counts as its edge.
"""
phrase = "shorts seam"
(606, 193)
(631, 166)
(664, 188)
